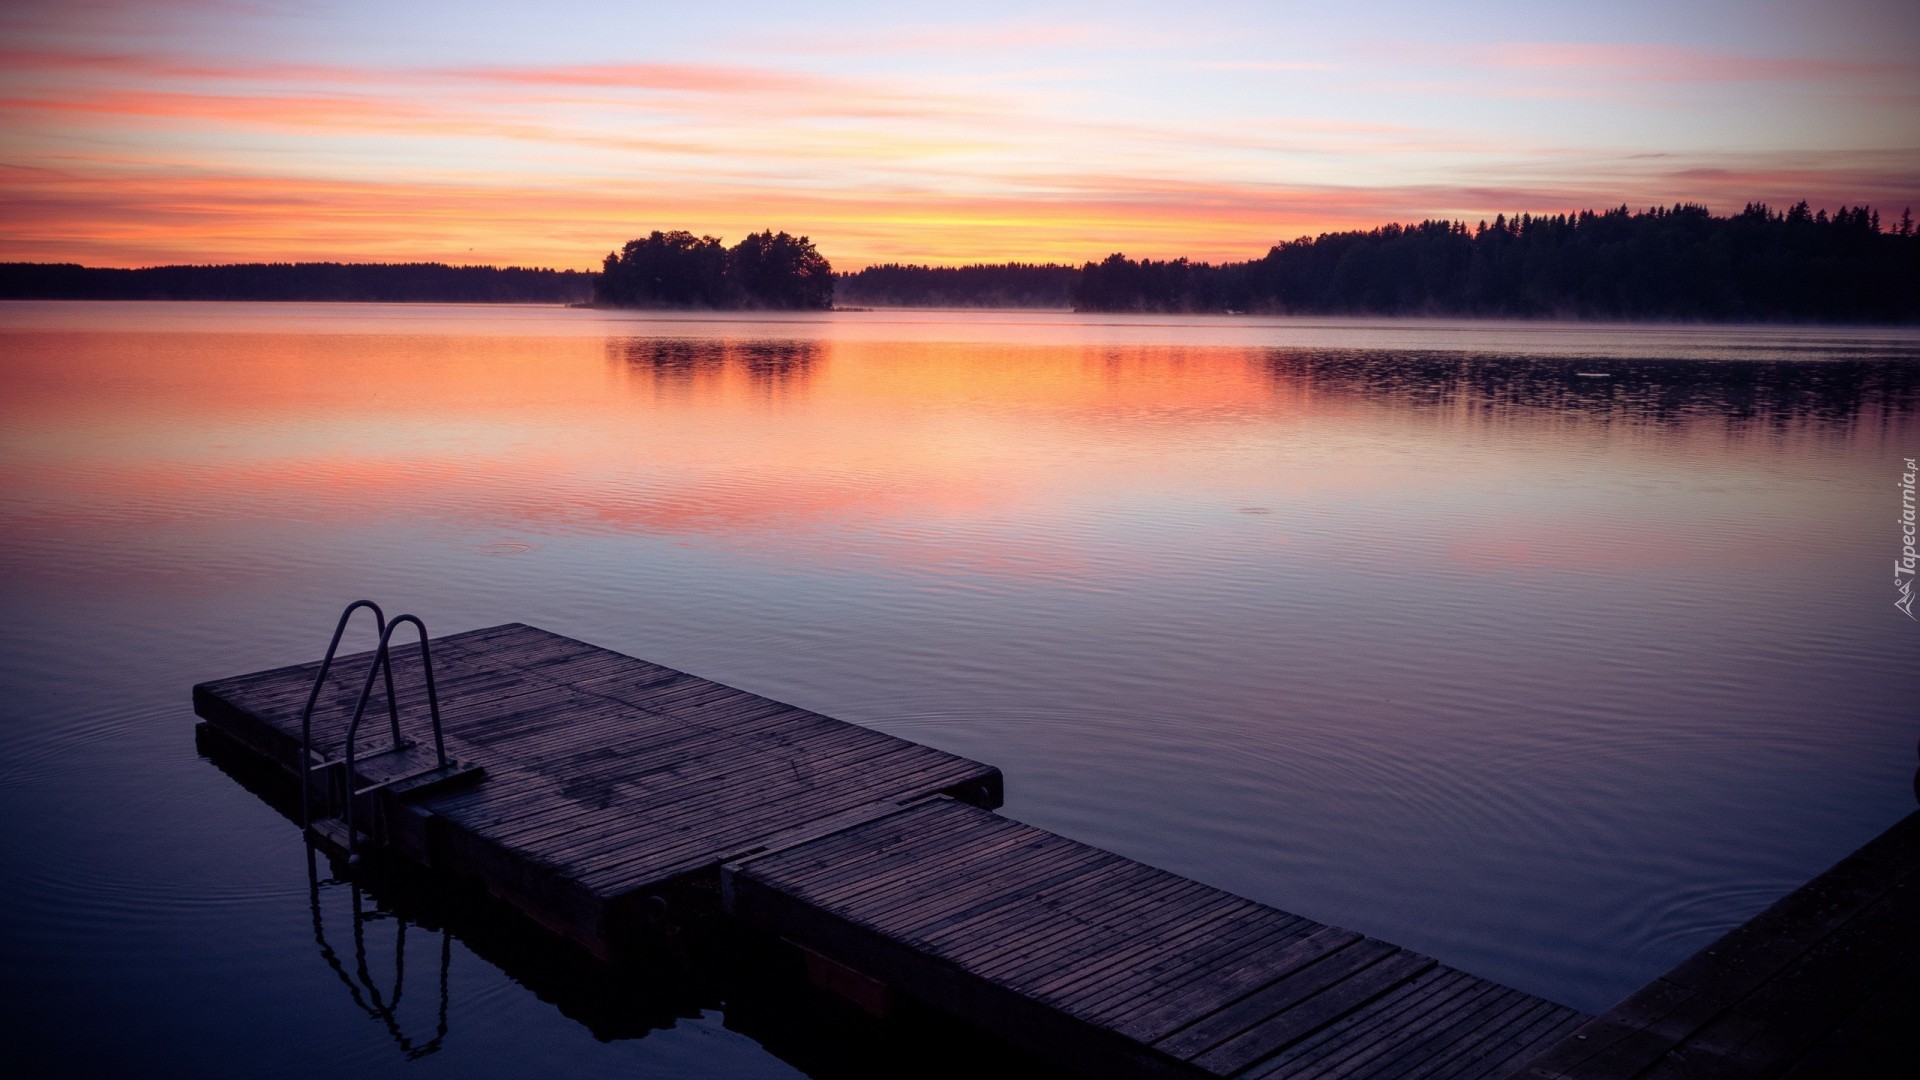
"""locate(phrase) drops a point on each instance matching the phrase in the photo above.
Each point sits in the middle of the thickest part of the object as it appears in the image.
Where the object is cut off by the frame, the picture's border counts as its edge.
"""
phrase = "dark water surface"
(1550, 651)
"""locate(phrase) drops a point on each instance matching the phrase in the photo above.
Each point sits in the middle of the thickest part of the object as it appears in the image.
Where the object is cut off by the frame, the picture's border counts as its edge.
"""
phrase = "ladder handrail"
(381, 658)
(313, 698)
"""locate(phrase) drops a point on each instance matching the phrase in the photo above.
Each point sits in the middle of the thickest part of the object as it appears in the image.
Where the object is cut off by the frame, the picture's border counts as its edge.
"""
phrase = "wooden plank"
(1095, 928)
(1093, 921)
(945, 876)
(868, 854)
(728, 835)
(1117, 996)
(907, 869)
(596, 725)
(958, 901)
(971, 900)
(656, 802)
(739, 835)
(1312, 966)
(805, 865)
(1307, 1015)
(1180, 1010)
(1032, 943)
(693, 762)
(1349, 1046)
(638, 815)
(1468, 1046)
(929, 918)
(572, 748)
(1464, 1018)
(662, 754)
(1499, 1058)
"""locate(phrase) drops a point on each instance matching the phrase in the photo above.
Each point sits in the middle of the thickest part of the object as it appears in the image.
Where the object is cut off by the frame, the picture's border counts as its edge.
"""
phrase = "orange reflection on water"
(982, 455)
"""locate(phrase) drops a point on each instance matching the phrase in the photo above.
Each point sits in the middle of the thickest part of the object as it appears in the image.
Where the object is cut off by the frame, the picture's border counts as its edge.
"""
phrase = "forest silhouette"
(995, 285)
(364, 282)
(1678, 262)
(1664, 263)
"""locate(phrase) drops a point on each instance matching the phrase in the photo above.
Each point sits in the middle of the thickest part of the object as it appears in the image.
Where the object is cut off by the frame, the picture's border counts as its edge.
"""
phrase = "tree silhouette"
(679, 270)
(670, 269)
(774, 270)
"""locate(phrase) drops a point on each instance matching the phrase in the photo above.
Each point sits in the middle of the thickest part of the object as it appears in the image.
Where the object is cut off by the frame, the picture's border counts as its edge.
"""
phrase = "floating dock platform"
(604, 796)
(602, 788)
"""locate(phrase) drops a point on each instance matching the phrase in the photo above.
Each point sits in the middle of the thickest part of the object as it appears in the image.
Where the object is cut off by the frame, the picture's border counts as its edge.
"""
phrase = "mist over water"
(1551, 651)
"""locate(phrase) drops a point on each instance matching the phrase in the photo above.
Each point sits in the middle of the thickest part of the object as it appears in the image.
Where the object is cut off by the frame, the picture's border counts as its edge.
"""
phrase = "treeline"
(680, 270)
(1009, 285)
(363, 282)
(1678, 263)
(1664, 263)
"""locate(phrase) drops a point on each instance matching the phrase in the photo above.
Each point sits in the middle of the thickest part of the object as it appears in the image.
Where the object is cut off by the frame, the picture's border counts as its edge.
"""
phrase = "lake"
(1552, 651)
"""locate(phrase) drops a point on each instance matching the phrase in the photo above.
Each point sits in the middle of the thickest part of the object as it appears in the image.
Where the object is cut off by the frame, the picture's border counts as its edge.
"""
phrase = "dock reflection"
(361, 985)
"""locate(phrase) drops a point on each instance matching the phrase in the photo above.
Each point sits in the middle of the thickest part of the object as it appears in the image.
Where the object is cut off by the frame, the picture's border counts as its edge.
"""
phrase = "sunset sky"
(138, 132)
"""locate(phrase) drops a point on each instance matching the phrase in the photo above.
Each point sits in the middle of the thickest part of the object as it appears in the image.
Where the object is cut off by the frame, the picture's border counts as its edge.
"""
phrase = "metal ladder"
(342, 775)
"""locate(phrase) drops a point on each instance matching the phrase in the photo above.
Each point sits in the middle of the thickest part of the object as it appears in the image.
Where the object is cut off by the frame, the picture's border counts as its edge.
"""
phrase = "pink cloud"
(696, 78)
(1669, 63)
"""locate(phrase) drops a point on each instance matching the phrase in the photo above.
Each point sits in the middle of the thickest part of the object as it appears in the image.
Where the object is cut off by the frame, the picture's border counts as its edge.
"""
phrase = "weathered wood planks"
(1826, 982)
(1117, 968)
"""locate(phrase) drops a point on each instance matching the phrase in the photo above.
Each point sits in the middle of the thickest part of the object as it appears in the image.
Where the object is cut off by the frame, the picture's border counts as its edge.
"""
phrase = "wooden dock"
(1825, 983)
(604, 795)
(609, 785)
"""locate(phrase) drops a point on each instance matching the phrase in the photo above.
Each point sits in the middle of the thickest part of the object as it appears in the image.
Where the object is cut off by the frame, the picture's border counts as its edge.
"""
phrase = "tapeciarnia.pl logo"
(1903, 567)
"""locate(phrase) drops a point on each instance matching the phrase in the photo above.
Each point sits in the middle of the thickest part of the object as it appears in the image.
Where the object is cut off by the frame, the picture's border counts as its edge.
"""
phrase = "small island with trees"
(1663, 263)
(765, 271)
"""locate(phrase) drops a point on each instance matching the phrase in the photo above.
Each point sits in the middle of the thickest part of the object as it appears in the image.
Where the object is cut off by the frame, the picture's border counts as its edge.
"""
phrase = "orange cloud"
(121, 157)
(132, 213)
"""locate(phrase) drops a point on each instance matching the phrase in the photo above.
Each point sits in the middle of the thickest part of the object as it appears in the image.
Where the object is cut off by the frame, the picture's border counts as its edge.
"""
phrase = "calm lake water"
(1551, 651)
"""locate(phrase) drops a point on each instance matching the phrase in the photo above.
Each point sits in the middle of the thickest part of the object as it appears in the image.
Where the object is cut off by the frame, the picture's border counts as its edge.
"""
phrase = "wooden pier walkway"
(601, 794)
(1122, 968)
